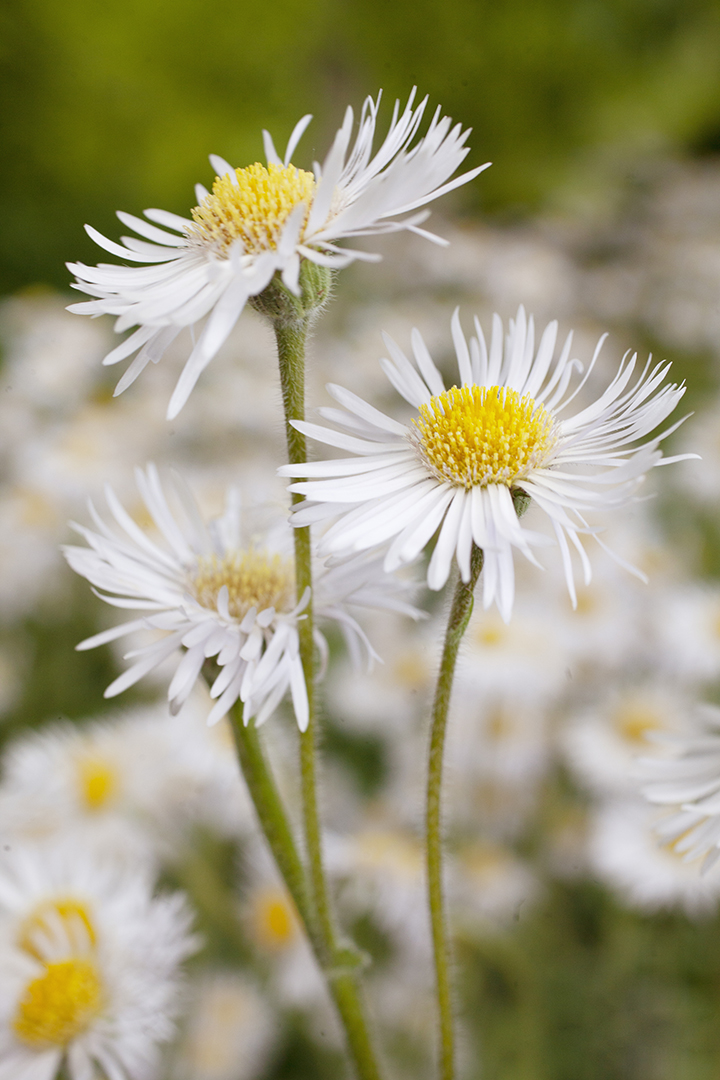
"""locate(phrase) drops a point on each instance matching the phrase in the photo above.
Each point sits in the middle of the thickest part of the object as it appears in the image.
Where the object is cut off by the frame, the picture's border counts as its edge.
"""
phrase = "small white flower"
(687, 778)
(258, 221)
(646, 867)
(230, 1033)
(602, 742)
(455, 467)
(89, 966)
(206, 591)
(132, 784)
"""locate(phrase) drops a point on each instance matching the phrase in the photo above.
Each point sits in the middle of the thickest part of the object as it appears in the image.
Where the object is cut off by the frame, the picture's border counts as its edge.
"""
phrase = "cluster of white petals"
(687, 778)
(502, 430)
(207, 593)
(193, 271)
(88, 966)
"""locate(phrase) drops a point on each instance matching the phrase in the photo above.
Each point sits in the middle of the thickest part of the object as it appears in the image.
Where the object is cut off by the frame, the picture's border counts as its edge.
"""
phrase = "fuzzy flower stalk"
(265, 220)
(216, 591)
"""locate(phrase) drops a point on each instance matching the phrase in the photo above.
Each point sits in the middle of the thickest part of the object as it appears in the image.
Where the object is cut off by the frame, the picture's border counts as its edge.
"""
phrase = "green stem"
(460, 612)
(291, 355)
(276, 829)
(291, 337)
(271, 812)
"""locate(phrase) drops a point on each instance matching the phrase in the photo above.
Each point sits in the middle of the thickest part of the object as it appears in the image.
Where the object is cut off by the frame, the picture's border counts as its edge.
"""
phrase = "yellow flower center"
(60, 1004)
(98, 781)
(252, 206)
(64, 913)
(254, 579)
(480, 435)
(273, 919)
(633, 721)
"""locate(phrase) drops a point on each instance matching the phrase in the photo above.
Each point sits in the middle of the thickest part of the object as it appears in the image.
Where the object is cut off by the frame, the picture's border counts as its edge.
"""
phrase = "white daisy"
(207, 591)
(261, 220)
(89, 968)
(602, 742)
(457, 464)
(133, 784)
(687, 778)
(648, 869)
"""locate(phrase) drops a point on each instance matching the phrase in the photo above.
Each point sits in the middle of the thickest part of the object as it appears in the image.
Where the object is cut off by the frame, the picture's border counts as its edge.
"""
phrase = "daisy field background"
(588, 951)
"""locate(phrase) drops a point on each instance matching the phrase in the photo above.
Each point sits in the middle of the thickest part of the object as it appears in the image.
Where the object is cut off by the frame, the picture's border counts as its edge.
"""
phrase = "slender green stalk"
(460, 612)
(273, 818)
(291, 355)
(291, 336)
(275, 826)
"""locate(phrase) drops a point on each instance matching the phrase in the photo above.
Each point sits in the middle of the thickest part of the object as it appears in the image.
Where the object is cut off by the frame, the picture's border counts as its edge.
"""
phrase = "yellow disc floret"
(273, 919)
(62, 915)
(98, 781)
(480, 435)
(60, 1004)
(254, 579)
(634, 721)
(251, 205)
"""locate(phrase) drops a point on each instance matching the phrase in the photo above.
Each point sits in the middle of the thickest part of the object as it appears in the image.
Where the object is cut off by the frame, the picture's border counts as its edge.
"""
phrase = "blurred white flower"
(229, 1032)
(89, 968)
(490, 886)
(455, 467)
(687, 778)
(383, 868)
(258, 221)
(131, 784)
(647, 871)
(207, 591)
(602, 743)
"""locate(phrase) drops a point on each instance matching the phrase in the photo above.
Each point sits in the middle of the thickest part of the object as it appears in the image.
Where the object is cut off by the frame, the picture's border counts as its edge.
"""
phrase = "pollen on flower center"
(97, 780)
(60, 1004)
(254, 579)
(251, 205)
(479, 435)
(65, 914)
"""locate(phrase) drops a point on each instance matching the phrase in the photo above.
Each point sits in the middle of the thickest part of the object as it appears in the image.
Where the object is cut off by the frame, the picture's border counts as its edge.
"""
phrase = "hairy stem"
(460, 612)
(291, 338)
(276, 829)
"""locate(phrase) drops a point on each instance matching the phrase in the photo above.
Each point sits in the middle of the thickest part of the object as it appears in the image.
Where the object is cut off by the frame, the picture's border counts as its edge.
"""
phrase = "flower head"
(687, 779)
(474, 453)
(215, 593)
(89, 971)
(131, 785)
(260, 220)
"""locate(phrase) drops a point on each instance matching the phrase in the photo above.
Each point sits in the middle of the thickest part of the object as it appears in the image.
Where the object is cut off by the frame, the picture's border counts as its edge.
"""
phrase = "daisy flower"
(647, 868)
(207, 591)
(126, 784)
(500, 432)
(688, 780)
(260, 220)
(89, 968)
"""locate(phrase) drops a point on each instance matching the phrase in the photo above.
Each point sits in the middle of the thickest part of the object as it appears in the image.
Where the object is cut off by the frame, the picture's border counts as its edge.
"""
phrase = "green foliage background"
(109, 106)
